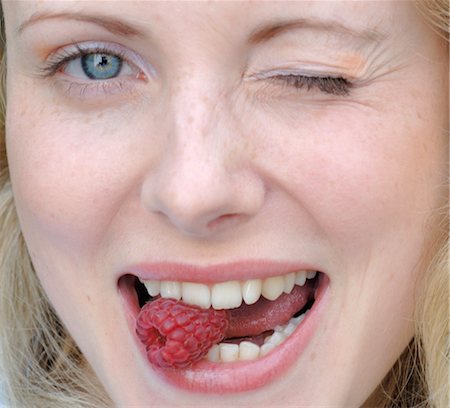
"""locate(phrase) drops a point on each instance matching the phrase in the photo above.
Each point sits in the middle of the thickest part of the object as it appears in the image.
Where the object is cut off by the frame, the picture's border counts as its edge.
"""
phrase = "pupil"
(103, 62)
(101, 66)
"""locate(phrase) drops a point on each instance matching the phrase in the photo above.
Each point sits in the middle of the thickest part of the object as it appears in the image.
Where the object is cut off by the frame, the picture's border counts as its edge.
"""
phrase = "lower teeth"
(246, 350)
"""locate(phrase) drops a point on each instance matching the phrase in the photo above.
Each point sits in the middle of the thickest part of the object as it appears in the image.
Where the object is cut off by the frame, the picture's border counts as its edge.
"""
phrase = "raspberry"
(176, 335)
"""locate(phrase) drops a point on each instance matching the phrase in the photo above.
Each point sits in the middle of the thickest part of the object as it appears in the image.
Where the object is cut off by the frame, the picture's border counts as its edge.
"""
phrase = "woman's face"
(216, 142)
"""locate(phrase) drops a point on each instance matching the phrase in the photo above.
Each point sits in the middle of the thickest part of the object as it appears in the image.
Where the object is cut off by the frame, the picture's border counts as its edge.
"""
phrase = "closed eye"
(338, 86)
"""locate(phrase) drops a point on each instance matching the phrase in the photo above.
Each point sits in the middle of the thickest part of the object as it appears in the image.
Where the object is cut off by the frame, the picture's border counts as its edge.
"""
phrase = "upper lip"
(221, 272)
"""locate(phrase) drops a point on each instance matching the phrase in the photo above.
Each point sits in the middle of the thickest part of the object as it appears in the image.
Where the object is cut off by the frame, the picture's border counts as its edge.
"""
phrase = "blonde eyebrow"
(269, 31)
(109, 23)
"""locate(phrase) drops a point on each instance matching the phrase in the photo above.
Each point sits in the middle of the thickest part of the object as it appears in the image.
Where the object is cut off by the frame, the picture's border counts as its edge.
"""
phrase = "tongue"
(252, 320)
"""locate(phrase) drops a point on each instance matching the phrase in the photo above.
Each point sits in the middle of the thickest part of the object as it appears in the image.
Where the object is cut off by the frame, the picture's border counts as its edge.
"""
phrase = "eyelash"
(59, 60)
(337, 86)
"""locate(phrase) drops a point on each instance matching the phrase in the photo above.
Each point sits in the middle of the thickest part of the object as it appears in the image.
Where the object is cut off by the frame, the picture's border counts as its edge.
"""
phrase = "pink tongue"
(252, 320)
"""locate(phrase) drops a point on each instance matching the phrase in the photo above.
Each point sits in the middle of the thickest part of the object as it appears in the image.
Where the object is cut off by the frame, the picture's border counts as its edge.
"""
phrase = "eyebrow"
(111, 24)
(260, 35)
(265, 33)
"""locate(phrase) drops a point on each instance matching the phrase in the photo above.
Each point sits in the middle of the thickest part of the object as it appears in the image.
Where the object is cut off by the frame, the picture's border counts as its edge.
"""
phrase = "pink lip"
(208, 377)
(215, 273)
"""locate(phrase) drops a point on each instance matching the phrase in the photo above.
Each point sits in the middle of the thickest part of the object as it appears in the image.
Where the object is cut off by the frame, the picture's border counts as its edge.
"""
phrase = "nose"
(204, 182)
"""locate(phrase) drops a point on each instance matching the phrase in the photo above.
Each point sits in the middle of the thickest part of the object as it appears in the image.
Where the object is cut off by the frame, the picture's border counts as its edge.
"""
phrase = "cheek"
(68, 174)
(360, 175)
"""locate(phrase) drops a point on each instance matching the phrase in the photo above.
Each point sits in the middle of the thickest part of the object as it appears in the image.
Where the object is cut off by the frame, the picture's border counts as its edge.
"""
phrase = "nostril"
(226, 219)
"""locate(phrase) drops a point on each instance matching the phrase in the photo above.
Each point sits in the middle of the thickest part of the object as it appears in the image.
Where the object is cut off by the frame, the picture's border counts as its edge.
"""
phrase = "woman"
(285, 164)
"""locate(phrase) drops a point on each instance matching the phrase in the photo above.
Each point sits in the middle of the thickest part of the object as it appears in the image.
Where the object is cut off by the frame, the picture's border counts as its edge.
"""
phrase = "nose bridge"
(197, 140)
(198, 101)
(195, 185)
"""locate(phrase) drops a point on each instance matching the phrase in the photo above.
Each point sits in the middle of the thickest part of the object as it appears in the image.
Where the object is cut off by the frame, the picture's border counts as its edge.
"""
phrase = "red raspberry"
(176, 335)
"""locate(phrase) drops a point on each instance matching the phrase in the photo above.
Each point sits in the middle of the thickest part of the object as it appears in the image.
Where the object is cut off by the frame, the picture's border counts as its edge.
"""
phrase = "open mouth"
(264, 314)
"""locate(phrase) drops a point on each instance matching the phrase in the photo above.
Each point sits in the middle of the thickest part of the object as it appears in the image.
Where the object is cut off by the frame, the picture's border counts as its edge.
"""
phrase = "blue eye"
(101, 66)
(93, 65)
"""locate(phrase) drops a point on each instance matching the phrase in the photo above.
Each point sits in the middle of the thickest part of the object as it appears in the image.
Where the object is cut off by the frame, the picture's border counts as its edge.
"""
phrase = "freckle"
(157, 17)
(99, 115)
(313, 356)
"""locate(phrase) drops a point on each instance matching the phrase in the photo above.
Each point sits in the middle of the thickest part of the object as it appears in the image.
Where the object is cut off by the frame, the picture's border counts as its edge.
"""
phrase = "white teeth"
(229, 352)
(226, 295)
(153, 287)
(196, 294)
(229, 295)
(214, 354)
(251, 291)
(297, 320)
(248, 351)
(273, 287)
(171, 289)
(311, 274)
(300, 278)
(266, 348)
(289, 282)
(290, 328)
(276, 338)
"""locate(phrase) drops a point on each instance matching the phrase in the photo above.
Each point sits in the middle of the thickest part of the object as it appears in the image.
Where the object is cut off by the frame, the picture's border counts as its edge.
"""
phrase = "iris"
(101, 66)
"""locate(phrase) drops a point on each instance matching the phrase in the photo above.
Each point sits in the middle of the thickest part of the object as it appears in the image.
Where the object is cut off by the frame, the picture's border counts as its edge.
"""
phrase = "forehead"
(360, 18)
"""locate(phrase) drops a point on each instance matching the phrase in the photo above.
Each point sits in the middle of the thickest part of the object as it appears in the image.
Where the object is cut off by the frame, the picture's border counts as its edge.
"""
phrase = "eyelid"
(334, 84)
(274, 73)
(63, 55)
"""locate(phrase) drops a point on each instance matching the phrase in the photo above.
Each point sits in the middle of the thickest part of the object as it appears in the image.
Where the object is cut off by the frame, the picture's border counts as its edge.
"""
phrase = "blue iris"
(101, 66)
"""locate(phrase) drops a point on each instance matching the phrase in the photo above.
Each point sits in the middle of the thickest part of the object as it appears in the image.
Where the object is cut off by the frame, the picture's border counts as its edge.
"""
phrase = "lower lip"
(225, 378)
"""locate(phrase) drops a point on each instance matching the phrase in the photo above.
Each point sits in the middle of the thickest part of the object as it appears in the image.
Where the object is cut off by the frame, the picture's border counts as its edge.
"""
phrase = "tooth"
(228, 352)
(214, 354)
(152, 287)
(297, 320)
(311, 274)
(226, 295)
(196, 294)
(265, 348)
(248, 350)
(300, 278)
(289, 282)
(289, 329)
(273, 287)
(170, 289)
(276, 338)
(251, 291)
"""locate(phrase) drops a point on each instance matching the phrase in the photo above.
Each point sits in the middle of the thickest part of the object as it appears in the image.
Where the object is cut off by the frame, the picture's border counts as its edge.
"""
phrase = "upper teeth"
(228, 295)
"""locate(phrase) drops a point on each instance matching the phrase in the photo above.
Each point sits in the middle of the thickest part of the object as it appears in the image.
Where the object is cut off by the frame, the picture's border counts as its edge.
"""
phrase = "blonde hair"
(44, 368)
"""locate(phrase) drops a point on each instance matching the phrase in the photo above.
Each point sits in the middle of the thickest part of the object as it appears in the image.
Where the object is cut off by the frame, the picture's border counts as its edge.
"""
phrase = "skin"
(200, 161)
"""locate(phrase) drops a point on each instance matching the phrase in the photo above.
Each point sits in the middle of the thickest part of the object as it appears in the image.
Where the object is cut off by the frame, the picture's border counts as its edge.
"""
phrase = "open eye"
(98, 66)
(95, 62)
(97, 71)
